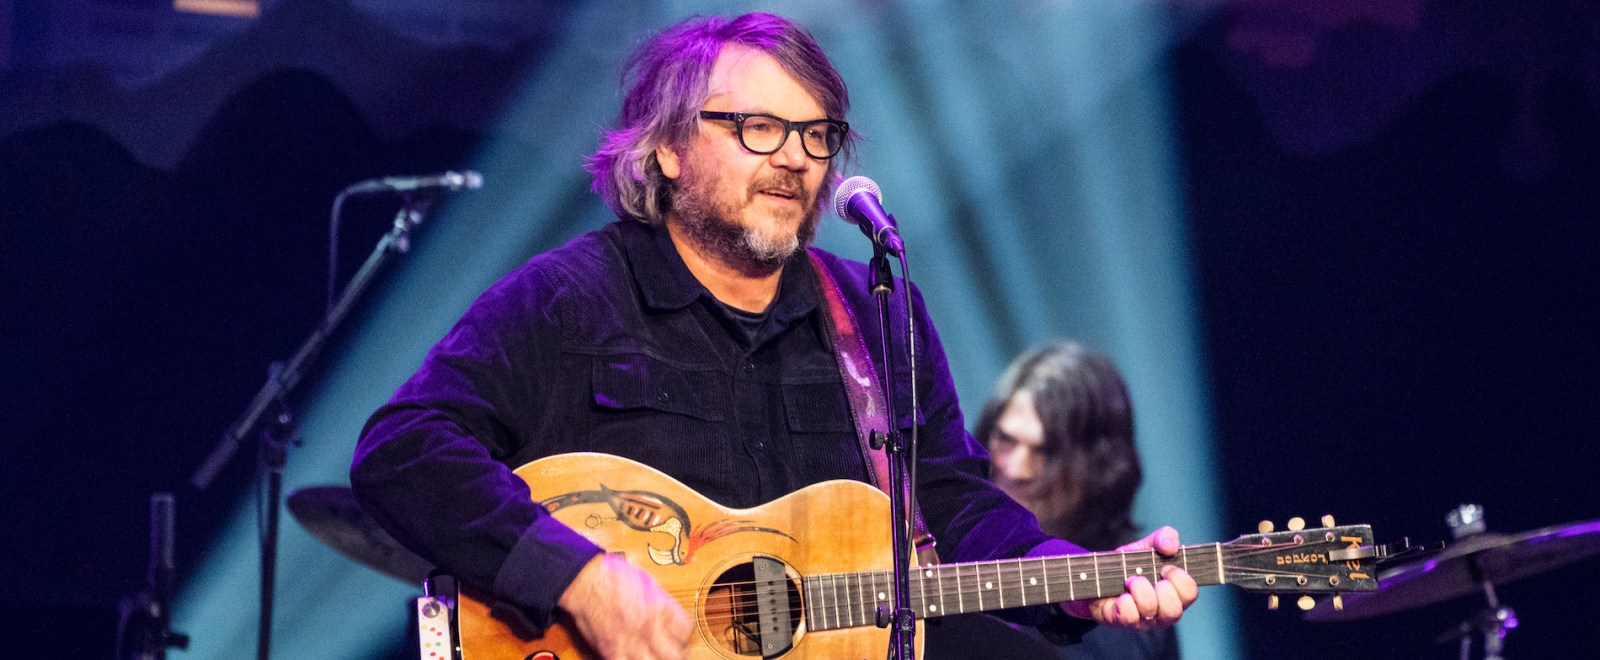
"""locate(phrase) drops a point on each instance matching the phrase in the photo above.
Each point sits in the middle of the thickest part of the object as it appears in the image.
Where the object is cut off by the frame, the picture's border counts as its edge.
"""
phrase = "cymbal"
(332, 515)
(1502, 558)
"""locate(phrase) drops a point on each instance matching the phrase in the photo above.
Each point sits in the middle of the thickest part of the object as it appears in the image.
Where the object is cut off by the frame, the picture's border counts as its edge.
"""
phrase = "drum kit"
(1474, 564)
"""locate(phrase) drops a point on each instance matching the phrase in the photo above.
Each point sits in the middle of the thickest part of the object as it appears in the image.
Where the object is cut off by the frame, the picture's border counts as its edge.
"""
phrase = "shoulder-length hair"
(667, 82)
(1091, 467)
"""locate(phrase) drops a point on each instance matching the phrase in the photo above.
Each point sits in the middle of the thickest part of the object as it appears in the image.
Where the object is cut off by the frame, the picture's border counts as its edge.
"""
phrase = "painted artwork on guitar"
(805, 575)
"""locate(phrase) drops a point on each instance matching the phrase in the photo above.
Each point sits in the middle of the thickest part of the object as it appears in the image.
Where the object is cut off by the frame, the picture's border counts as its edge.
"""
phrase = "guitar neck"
(844, 600)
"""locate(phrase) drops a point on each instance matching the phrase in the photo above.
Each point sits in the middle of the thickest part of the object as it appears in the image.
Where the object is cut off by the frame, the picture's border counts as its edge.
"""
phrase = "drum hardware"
(1477, 562)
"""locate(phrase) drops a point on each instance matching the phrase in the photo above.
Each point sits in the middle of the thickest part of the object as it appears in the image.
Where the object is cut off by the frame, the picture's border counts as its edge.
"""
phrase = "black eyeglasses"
(765, 134)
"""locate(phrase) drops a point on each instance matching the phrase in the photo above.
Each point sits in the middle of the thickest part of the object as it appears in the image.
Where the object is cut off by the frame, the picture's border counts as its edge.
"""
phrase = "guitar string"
(1104, 562)
(847, 605)
(846, 608)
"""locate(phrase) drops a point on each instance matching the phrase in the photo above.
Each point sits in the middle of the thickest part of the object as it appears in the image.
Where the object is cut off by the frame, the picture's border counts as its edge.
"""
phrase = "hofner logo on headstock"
(1302, 558)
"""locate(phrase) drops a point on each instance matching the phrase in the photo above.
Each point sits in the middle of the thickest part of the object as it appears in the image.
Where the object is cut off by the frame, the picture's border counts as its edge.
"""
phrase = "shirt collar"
(666, 283)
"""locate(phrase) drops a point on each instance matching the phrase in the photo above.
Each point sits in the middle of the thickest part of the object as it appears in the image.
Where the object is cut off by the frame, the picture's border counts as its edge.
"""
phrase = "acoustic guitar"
(805, 576)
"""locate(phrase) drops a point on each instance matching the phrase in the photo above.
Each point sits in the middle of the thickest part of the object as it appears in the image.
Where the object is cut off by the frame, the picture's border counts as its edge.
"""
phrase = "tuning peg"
(1272, 601)
(1265, 527)
(1297, 523)
(1327, 520)
(1338, 602)
(1305, 603)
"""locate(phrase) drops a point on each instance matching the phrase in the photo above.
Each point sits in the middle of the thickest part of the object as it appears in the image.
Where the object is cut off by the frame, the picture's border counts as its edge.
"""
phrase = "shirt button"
(749, 367)
(662, 397)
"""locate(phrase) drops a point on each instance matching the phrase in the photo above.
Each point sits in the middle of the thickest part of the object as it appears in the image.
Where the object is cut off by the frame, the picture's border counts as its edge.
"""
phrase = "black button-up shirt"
(609, 344)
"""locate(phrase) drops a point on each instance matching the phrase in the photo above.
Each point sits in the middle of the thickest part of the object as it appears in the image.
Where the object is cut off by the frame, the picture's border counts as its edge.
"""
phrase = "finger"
(1106, 611)
(1182, 583)
(1169, 608)
(1127, 611)
(1145, 543)
(1165, 541)
(1144, 597)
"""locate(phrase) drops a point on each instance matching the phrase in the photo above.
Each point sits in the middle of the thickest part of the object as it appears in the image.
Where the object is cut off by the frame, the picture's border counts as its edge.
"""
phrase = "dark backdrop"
(1398, 292)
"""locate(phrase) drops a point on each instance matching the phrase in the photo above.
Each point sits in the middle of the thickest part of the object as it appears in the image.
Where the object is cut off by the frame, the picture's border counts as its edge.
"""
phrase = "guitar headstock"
(1328, 559)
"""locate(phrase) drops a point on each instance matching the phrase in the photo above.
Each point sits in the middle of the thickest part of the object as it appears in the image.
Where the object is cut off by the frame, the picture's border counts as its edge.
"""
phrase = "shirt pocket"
(822, 432)
(663, 415)
(638, 382)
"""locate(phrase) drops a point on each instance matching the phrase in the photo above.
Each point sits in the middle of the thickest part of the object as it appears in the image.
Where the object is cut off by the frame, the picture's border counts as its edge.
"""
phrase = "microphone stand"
(902, 622)
(271, 402)
(145, 629)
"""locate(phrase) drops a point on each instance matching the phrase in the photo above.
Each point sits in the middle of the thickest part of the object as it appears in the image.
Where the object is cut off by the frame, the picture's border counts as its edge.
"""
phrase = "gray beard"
(710, 226)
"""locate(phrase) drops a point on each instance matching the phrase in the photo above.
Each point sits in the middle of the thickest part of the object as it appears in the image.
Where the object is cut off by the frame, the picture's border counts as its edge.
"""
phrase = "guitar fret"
(961, 597)
(865, 590)
(1219, 563)
(888, 590)
(852, 599)
(978, 587)
(1044, 569)
(820, 609)
(822, 602)
(1000, 580)
(834, 586)
(992, 585)
(1072, 590)
(1022, 583)
(883, 595)
(939, 586)
(805, 602)
(869, 601)
(813, 599)
(1096, 560)
(841, 601)
(861, 600)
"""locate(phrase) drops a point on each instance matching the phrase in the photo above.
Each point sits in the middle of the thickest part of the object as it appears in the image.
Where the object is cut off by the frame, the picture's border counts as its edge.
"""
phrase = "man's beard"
(709, 221)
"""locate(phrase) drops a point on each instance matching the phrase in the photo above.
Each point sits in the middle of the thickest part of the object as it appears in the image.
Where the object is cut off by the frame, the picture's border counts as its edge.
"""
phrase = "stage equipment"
(1477, 562)
(270, 418)
(331, 514)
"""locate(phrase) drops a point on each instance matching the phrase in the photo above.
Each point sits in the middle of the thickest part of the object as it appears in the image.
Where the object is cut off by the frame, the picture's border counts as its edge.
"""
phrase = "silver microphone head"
(848, 189)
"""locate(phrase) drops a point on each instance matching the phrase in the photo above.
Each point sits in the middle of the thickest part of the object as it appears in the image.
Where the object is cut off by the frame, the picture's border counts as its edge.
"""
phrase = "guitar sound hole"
(733, 610)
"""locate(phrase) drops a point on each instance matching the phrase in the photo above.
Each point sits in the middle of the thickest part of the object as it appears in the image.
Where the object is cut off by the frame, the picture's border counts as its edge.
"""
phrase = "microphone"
(448, 180)
(858, 201)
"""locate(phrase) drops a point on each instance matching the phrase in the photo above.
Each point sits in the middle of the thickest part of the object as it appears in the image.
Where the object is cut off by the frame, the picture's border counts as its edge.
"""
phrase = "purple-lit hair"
(670, 76)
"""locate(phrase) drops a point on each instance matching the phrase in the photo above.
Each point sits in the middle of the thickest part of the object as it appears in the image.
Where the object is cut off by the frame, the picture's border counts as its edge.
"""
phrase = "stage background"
(1343, 250)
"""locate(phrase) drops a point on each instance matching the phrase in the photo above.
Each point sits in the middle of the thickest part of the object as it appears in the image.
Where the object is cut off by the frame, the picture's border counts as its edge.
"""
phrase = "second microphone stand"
(271, 402)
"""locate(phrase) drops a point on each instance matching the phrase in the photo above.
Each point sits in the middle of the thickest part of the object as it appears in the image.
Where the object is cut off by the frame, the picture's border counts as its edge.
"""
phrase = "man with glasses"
(688, 336)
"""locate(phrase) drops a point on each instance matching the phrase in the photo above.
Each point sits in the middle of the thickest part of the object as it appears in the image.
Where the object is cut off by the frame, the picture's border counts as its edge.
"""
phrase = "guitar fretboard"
(845, 600)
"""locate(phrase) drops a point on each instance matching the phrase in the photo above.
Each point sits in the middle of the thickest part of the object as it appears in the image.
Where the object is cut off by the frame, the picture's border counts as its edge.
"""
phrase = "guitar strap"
(862, 389)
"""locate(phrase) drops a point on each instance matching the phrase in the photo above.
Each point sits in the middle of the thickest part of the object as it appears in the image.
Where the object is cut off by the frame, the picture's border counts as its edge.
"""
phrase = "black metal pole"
(902, 621)
(275, 440)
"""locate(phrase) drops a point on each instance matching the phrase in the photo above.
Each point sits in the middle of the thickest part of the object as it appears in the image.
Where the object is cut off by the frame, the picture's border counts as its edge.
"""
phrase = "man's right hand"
(621, 611)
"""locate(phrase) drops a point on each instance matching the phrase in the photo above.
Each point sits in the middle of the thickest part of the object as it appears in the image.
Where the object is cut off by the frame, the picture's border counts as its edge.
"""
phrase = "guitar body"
(706, 555)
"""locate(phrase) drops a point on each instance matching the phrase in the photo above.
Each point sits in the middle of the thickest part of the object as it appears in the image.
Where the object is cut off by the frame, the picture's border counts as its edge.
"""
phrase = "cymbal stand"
(1494, 620)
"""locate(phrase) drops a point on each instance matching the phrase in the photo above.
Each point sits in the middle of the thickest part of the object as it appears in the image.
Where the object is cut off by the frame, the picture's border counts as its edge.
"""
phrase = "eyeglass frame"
(738, 119)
